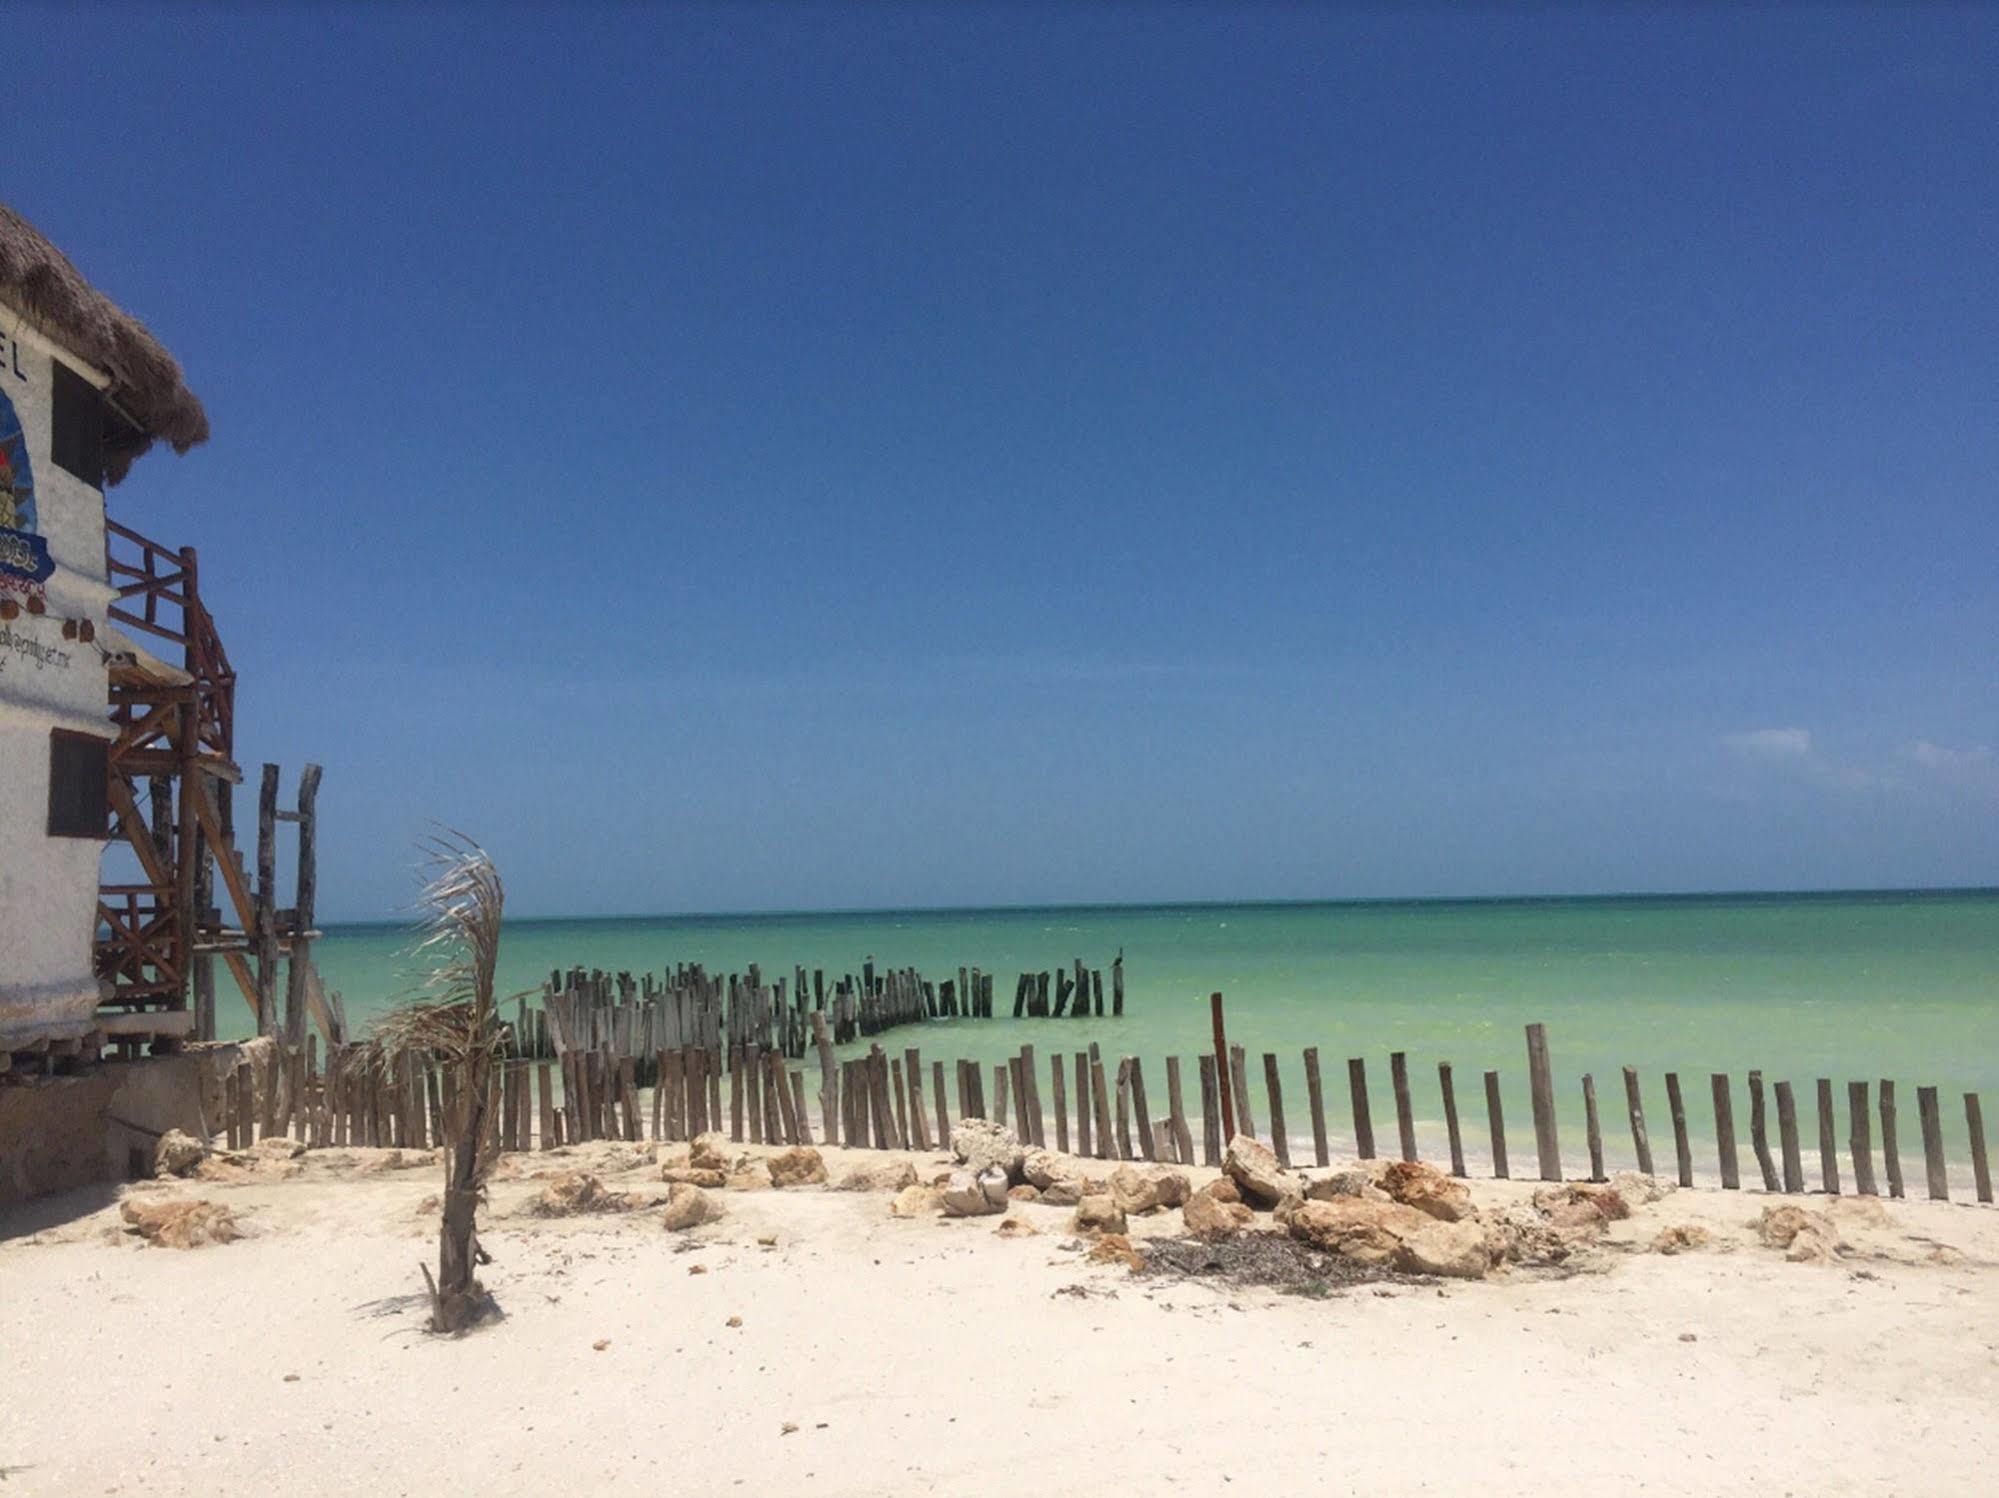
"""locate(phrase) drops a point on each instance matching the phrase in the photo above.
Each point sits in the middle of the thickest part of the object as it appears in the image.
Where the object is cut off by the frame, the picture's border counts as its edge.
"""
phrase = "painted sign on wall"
(24, 555)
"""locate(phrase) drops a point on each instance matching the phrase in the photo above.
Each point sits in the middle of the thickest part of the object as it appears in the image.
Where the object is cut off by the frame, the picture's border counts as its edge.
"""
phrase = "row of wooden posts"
(638, 1017)
(877, 1101)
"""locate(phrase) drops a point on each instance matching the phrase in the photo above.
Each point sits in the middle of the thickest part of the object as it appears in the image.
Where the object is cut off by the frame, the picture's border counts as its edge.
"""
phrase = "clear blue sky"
(783, 458)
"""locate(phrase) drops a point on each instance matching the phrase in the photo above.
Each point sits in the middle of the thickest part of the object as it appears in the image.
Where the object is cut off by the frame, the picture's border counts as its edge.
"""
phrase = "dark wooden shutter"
(79, 779)
(76, 438)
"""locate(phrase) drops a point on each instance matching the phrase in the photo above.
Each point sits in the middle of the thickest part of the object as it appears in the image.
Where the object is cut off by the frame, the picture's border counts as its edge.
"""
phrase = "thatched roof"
(38, 281)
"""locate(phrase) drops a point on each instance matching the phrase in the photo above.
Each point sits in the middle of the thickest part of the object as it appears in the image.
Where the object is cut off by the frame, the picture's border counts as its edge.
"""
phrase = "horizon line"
(1306, 902)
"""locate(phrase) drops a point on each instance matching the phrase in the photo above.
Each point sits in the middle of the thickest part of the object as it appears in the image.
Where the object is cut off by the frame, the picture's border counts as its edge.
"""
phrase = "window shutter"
(76, 440)
(79, 783)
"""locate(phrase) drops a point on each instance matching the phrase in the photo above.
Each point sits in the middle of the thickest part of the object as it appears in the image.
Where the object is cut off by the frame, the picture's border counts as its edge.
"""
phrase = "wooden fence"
(1094, 1107)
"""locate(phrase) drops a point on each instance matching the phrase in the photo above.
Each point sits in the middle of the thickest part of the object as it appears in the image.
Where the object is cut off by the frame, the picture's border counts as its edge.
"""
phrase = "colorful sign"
(24, 556)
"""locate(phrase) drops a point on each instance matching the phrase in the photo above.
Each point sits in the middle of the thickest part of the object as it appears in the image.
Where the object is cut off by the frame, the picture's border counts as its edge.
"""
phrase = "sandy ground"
(878, 1355)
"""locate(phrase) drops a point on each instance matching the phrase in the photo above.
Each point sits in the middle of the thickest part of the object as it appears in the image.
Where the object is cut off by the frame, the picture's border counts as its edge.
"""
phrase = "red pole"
(1222, 1071)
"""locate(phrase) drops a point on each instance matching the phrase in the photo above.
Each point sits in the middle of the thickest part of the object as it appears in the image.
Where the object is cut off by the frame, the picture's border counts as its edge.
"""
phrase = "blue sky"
(772, 458)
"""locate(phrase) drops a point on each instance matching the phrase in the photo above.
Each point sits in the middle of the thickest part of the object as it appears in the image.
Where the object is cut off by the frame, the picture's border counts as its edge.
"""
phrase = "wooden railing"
(159, 594)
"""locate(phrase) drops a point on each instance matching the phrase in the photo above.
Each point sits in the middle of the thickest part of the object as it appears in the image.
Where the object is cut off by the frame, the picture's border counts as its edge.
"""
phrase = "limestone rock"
(1344, 1183)
(1261, 1180)
(1805, 1237)
(1640, 1190)
(1680, 1238)
(714, 1180)
(671, 1157)
(1098, 1214)
(1456, 1250)
(1016, 1227)
(180, 1222)
(1858, 1211)
(1580, 1209)
(1366, 1232)
(1222, 1189)
(1115, 1248)
(981, 1145)
(1024, 1193)
(1043, 1168)
(1063, 1193)
(1207, 1217)
(688, 1207)
(798, 1166)
(975, 1195)
(1393, 1236)
(1138, 1192)
(573, 1193)
(177, 1154)
(710, 1151)
(917, 1201)
(749, 1174)
(1428, 1190)
(890, 1177)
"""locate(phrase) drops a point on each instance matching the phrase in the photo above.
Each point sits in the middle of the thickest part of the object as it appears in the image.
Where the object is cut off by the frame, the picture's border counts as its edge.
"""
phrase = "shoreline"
(938, 1355)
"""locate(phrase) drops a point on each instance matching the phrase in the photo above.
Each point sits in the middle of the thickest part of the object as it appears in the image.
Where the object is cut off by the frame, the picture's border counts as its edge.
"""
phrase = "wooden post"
(1787, 1138)
(1238, 1075)
(1891, 1155)
(1682, 1149)
(1183, 1138)
(1211, 1125)
(1541, 1082)
(1859, 1138)
(1222, 1069)
(1002, 1074)
(1363, 1120)
(829, 1078)
(1451, 1118)
(912, 1072)
(1828, 1139)
(307, 902)
(1593, 1129)
(266, 934)
(1106, 1141)
(1405, 1116)
(1061, 1096)
(1125, 1150)
(1030, 1086)
(899, 1088)
(545, 1088)
(1724, 1132)
(798, 1107)
(943, 1105)
(1280, 1142)
(1933, 1161)
(1085, 1112)
(1981, 1169)
(1495, 1117)
(1759, 1133)
(1634, 1104)
(1147, 1146)
(1315, 1096)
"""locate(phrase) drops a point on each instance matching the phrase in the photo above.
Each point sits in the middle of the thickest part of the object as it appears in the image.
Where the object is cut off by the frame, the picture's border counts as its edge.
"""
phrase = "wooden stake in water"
(1828, 1139)
(1541, 1081)
(1363, 1120)
(1759, 1132)
(1495, 1117)
(1147, 1146)
(1634, 1105)
(1211, 1123)
(1891, 1155)
(1061, 1096)
(1981, 1171)
(1724, 1132)
(1860, 1142)
(1280, 1143)
(1222, 1069)
(1239, 1079)
(1451, 1118)
(1683, 1153)
(1405, 1115)
(1787, 1134)
(1316, 1098)
(1933, 1161)
(1593, 1129)
(1183, 1138)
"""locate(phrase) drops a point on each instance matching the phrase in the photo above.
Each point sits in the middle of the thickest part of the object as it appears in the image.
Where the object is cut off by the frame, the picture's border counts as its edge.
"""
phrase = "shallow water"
(1851, 986)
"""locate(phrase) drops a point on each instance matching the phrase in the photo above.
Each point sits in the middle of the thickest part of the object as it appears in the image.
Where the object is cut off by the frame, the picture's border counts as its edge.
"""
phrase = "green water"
(1852, 986)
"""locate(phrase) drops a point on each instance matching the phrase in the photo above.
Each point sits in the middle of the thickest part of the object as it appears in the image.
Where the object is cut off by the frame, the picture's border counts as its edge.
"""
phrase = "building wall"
(48, 886)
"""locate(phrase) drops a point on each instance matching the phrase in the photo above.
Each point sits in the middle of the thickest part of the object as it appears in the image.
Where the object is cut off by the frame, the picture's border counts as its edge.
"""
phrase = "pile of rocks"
(709, 1164)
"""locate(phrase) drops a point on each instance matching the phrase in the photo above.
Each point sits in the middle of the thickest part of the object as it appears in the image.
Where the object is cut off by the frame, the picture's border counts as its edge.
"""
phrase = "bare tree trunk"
(458, 1298)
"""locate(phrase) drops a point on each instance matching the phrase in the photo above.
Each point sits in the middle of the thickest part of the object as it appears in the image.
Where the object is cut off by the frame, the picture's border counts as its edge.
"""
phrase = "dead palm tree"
(459, 1027)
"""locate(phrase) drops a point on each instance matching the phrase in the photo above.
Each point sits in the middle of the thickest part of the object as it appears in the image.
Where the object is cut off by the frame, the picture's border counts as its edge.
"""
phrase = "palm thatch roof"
(38, 281)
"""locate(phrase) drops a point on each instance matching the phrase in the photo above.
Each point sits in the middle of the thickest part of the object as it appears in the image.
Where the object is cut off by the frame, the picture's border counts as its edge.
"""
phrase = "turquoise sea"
(1846, 986)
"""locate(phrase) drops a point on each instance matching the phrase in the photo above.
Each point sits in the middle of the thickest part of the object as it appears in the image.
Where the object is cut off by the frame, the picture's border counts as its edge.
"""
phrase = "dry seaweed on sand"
(1269, 1260)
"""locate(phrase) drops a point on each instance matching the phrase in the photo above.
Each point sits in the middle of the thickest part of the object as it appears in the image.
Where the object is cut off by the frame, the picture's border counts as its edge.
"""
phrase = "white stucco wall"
(48, 886)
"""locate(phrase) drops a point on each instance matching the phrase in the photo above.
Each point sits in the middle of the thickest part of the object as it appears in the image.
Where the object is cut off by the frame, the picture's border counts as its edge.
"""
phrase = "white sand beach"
(811, 1342)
